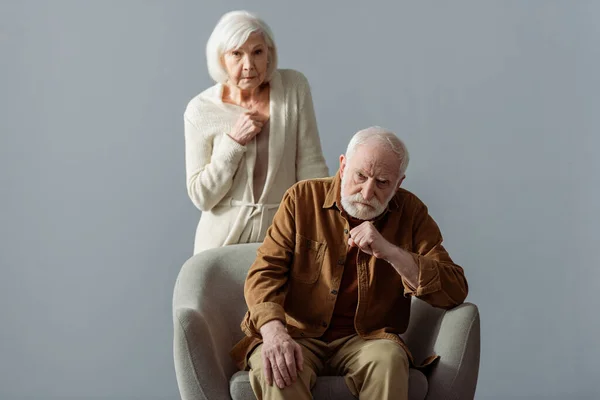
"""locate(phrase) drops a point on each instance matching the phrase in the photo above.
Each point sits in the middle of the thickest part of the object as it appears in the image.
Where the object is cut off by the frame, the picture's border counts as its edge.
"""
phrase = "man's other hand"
(281, 356)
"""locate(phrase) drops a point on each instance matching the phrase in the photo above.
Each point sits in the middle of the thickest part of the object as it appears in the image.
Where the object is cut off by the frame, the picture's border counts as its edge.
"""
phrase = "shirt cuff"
(262, 313)
(429, 278)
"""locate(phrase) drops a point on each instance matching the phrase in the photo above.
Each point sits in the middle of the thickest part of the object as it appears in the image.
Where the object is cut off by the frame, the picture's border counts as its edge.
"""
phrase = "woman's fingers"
(254, 115)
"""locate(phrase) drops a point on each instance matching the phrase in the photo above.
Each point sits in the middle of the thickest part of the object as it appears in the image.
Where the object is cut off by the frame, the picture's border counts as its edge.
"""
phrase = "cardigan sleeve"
(310, 162)
(209, 169)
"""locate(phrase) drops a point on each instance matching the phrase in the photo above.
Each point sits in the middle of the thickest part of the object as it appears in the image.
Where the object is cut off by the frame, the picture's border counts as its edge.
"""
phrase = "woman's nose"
(248, 63)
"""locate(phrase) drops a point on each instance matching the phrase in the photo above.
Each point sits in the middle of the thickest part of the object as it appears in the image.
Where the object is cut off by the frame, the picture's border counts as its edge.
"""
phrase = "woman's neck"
(233, 94)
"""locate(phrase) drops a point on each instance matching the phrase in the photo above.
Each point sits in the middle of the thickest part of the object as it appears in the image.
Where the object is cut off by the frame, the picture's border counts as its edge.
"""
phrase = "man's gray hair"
(231, 32)
(383, 136)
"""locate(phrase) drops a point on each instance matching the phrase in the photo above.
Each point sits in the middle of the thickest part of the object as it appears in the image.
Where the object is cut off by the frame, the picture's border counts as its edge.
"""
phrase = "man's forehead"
(376, 159)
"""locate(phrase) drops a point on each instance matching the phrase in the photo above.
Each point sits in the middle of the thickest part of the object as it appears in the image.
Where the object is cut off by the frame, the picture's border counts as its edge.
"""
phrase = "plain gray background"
(497, 101)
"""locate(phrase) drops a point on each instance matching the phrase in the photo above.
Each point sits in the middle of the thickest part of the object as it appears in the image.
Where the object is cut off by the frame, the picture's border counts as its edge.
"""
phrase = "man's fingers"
(365, 245)
(267, 369)
(290, 362)
(362, 242)
(359, 241)
(277, 376)
(368, 250)
(299, 357)
(282, 367)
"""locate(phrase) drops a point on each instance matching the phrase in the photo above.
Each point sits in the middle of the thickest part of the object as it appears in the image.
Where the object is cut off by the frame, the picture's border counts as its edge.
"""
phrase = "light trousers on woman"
(373, 369)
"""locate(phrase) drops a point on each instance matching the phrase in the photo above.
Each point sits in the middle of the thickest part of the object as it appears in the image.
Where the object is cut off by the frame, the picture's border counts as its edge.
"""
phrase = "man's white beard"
(361, 211)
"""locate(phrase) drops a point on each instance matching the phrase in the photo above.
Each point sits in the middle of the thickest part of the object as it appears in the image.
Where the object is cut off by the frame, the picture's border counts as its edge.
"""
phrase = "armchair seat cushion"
(327, 387)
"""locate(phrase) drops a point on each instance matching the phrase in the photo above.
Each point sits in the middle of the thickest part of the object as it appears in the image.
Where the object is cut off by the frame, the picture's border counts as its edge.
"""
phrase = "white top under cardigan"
(219, 171)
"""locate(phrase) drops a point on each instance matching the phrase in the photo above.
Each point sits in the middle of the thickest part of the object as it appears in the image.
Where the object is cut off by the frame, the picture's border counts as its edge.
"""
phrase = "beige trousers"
(373, 369)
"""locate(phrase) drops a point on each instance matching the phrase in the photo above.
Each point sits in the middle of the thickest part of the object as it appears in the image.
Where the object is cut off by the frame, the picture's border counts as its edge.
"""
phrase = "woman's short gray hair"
(384, 136)
(231, 32)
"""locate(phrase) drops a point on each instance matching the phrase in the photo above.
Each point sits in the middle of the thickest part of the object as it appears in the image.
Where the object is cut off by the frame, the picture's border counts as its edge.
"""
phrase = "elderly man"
(329, 291)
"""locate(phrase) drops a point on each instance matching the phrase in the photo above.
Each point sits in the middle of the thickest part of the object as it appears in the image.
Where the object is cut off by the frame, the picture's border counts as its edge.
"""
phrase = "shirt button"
(334, 292)
(324, 324)
(301, 333)
(346, 231)
(341, 261)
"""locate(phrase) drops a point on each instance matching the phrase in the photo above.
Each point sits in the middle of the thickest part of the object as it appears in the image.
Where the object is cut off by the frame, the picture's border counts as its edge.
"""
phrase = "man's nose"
(368, 190)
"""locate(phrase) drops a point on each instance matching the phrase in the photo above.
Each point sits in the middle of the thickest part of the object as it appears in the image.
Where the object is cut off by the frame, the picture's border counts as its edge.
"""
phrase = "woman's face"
(247, 65)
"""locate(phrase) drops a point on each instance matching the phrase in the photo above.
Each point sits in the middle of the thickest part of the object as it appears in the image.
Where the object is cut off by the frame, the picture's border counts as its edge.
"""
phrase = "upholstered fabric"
(208, 305)
(327, 387)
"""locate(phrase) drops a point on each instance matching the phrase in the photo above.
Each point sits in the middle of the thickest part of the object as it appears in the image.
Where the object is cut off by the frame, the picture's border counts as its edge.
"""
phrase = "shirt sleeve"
(265, 286)
(441, 282)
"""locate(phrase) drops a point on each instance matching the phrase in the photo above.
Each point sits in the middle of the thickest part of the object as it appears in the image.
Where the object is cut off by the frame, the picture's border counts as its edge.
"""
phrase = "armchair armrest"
(208, 306)
(199, 357)
(455, 375)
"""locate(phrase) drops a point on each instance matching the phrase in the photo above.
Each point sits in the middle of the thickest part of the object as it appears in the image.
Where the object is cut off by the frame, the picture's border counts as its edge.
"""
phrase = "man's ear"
(401, 179)
(342, 165)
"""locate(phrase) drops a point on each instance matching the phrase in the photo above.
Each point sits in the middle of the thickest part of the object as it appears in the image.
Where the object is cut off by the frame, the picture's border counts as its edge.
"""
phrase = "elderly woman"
(249, 137)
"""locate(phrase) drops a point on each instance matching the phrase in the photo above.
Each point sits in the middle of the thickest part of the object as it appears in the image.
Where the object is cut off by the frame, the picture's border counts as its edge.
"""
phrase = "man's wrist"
(392, 254)
(272, 326)
(396, 257)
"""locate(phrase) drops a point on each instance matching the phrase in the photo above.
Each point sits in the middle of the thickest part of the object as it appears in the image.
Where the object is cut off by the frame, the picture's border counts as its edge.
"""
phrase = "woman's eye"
(235, 53)
(258, 52)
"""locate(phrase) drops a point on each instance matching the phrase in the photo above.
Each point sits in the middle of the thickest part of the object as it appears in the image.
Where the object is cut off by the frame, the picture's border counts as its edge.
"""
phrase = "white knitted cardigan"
(219, 171)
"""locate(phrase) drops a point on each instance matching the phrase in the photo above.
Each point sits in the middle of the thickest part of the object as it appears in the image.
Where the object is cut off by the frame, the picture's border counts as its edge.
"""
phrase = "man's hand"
(370, 241)
(281, 355)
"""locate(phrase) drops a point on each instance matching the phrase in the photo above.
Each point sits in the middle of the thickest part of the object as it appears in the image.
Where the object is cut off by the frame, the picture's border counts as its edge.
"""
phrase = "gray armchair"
(208, 306)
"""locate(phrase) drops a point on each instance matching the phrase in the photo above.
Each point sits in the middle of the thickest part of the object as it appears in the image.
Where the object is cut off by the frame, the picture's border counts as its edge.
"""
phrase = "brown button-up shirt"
(299, 267)
(342, 319)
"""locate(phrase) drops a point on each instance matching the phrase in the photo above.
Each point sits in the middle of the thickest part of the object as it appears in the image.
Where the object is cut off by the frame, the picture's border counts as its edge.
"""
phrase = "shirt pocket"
(308, 260)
